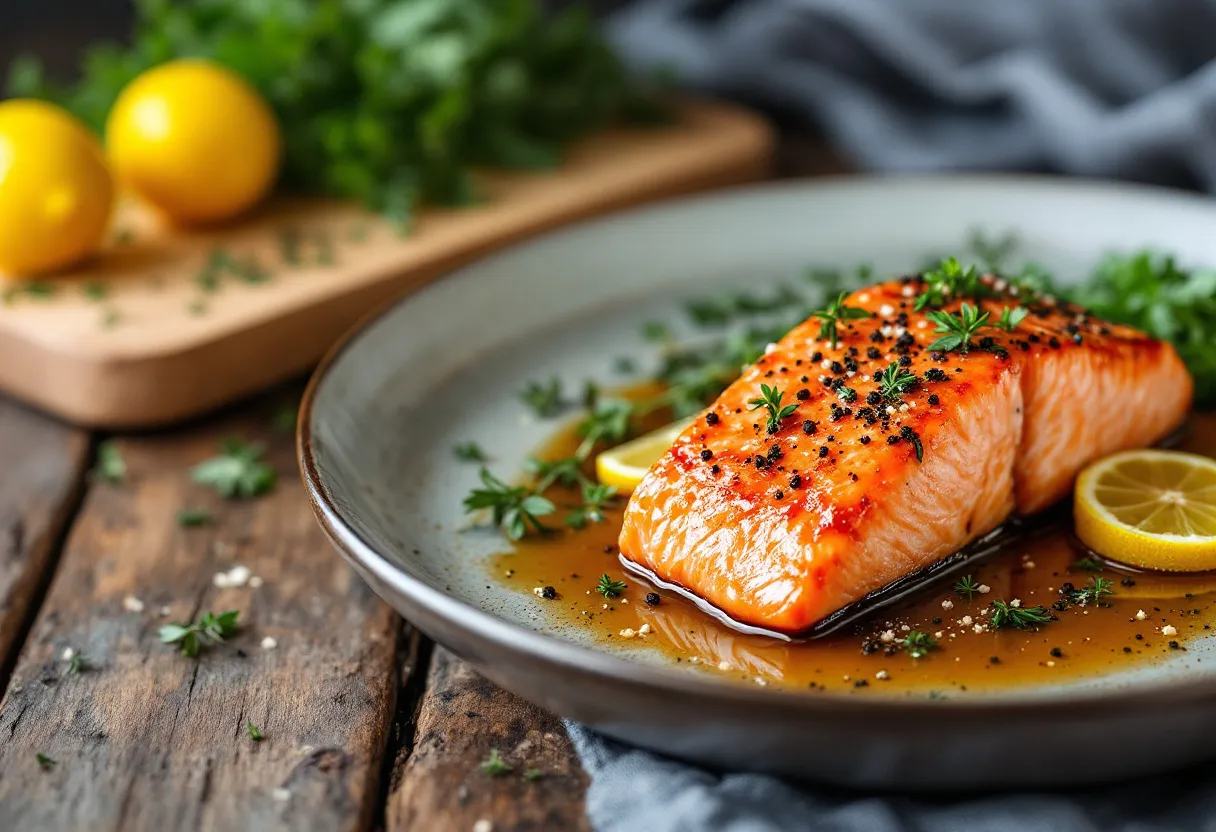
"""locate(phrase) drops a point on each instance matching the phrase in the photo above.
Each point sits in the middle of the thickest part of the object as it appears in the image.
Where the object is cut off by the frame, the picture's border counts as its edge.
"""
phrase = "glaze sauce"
(1086, 641)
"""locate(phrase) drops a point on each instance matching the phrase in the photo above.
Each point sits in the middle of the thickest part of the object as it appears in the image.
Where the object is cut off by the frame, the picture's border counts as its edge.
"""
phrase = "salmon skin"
(778, 525)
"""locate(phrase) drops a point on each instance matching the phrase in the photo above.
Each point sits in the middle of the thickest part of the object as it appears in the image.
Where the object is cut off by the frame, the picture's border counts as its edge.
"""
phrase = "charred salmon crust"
(867, 481)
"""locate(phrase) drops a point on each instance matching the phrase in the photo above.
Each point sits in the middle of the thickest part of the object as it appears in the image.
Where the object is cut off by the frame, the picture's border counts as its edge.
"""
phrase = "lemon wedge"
(1151, 509)
(625, 465)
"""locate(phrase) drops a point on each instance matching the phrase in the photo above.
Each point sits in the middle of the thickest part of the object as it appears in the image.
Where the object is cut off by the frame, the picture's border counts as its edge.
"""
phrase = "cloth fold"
(1110, 88)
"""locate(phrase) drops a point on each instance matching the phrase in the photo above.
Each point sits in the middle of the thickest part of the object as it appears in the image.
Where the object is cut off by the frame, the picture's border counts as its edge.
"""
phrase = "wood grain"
(460, 718)
(149, 739)
(163, 360)
(43, 463)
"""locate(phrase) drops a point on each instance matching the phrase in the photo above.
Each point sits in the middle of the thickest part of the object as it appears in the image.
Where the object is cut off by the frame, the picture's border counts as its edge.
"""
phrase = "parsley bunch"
(388, 102)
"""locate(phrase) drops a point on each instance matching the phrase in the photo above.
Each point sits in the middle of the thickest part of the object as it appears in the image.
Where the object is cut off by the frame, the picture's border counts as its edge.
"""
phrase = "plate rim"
(505, 635)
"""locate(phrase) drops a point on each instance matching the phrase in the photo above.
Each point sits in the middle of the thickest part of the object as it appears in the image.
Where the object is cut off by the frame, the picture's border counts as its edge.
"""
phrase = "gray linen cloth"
(1115, 88)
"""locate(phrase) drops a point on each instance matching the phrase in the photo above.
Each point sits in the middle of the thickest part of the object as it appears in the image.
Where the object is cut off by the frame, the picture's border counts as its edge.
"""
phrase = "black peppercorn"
(653, 599)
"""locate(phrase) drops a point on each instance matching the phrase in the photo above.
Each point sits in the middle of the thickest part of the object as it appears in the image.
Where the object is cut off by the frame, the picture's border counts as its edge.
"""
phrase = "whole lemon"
(195, 140)
(56, 193)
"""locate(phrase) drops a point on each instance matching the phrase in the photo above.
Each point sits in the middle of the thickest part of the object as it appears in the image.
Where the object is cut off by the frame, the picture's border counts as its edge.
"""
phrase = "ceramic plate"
(444, 365)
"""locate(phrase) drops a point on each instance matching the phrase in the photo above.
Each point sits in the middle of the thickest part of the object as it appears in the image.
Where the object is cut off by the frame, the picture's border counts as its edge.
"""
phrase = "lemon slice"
(625, 465)
(1151, 509)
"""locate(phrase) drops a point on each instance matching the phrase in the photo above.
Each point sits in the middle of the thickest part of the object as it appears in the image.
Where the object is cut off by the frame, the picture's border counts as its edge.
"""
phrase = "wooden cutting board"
(165, 324)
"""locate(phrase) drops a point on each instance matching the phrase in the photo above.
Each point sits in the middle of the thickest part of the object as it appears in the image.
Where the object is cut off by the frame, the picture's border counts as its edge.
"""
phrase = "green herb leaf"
(959, 328)
(469, 452)
(596, 498)
(495, 765)
(967, 587)
(918, 644)
(45, 762)
(1089, 564)
(254, 732)
(1093, 592)
(833, 313)
(79, 662)
(610, 422)
(948, 282)
(237, 473)
(513, 507)
(192, 637)
(656, 331)
(770, 399)
(1006, 615)
(532, 774)
(110, 466)
(609, 588)
(189, 518)
(895, 381)
(1010, 318)
(545, 399)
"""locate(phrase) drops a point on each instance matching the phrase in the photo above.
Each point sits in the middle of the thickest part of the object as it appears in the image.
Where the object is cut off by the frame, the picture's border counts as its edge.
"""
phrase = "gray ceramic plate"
(444, 365)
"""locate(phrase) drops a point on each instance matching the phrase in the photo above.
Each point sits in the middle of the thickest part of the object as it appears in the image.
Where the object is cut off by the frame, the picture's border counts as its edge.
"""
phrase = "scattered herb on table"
(393, 104)
(110, 465)
(917, 644)
(494, 765)
(192, 637)
(513, 507)
(770, 400)
(1005, 614)
(45, 762)
(608, 587)
(255, 733)
(238, 472)
(958, 329)
(469, 452)
(832, 314)
(545, 398)
(189, 518)
(967, 587)
(78, 662)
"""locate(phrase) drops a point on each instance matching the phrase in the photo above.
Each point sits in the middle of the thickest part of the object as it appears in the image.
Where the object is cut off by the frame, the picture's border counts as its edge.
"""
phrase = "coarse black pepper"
(873, 353)
(548, 593)
(809, 427)
(873, 397)
(653, 599)
(803, 394)
(823, 451)
(715, 469)
(711, 418)
(1056, 652)
(796, 482)
(865, 440)
(934, 400)
(707, 454)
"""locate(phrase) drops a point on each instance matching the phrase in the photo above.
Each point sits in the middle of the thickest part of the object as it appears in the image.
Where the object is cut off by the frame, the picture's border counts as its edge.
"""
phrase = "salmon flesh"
(864, 483)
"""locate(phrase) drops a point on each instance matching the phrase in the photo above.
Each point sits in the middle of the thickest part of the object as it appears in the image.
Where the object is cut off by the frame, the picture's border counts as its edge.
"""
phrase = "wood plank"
(44, 465)
(461, 717)
(149, 739)
(164, 361)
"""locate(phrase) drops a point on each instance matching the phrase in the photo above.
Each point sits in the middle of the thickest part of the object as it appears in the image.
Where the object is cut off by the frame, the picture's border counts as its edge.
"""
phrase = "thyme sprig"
(894, 381)
(967, 587)
(1092, 593)
(515, 508)
(833, 313)
(770, 399)
(609, 588)
(1005, 614)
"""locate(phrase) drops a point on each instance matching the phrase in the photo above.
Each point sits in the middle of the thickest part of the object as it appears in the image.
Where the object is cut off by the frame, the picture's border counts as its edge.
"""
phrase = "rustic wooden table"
(367, 724)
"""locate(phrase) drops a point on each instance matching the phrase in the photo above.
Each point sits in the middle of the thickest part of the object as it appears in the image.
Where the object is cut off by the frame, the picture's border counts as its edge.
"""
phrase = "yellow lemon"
(195, 140)
(56, 193)
(625, 465)
(1151, 509)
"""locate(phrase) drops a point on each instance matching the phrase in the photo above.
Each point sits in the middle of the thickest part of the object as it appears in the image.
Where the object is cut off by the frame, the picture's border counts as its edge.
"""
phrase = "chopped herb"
(958, 328)
(532, 774)
(238, 472)
(514, 508)
(255, 733)
(495, 765)
(469, 452)
(595, 499)
(1010, 318)
(39, 289)
(79, 662)
(1093, 593)
(591, 394)
(110, 466)
(110, 318)
(895, 381)
(189, 518)
(45, 762)
(918, 644)
(567, 472)
(545, 399)
(608, 587)
(209, 629)
(1089, 564)
(1007, 615)
(95, 290)
(771, 400)
(656, 331)
(845, 394)
(950, 281)
(833, 313)
(967, 587)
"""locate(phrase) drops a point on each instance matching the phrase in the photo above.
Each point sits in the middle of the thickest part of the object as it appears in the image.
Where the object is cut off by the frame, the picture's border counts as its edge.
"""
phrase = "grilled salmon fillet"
(859, 486)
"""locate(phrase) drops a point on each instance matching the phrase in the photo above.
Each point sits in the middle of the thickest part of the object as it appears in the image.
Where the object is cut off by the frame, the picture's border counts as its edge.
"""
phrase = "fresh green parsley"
(770, 400)
(545, 398)
(958, 329)
(190, 518)
(469, 452)
(238, 472)
(832, 314)
(45, 762)
(917, 644)
(494, 765)
(950, 281)
(110, 465)
(608, 587)
(967, 587)
(894, 381)
(1010, 318)
(209, 629)
(595, 499)
(1005, 614)
(515, 508)
(255, 733)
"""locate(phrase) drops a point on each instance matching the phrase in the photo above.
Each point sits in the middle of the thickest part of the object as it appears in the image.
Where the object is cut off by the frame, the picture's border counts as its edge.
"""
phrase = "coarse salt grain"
(628, 632)
(886, 310)
(280, 794)
(938, 634)
(724, 666)
(269, 643)
(1169, 630)
(984, 589)
(132, 604)
(1141, 615)
(887, 637)
(883, 675)
(966, 622)
(256, 581)
(769, 348)
(905, 628)
(908, 291)
(644, 629)
(978, 628)
(1015, 603)
(947, 604)
(68, 652)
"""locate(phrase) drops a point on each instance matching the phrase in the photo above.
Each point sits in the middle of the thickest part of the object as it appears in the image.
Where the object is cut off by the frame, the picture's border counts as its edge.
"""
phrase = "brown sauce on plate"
(1085, 641)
